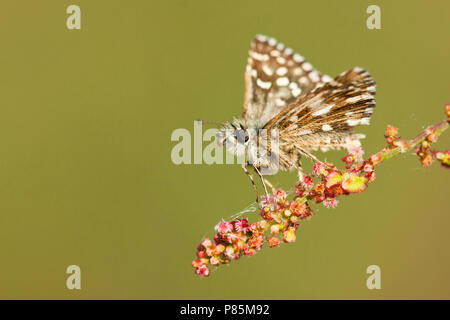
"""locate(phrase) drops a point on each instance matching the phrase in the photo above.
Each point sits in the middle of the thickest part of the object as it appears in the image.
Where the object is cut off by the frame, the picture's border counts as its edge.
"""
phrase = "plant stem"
(407, 145)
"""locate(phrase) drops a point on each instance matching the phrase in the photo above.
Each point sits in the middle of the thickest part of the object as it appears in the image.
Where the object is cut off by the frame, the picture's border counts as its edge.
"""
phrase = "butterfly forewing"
(275, 77)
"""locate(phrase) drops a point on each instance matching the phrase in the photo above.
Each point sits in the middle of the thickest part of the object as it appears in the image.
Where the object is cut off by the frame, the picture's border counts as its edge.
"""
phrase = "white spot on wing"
(303, 132)
(353, 99)
(261, 37)
(281, 60)
(353, 122)
(307, 66)
(303, 80)
(364, 96)
(314, 75)
(263, 84)
(267, 70)
(323, 110)
(281, 71)
(297, 71)
(280, 103)
(365, 120)
(296, 92)
(284, 81)
(259, 56)
(326, 78)
(315, 104)
(326, 127)
(274, 53)
(298, 58)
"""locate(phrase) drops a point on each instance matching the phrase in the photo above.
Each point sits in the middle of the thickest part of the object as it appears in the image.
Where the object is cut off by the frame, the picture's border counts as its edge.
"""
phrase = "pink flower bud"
(274, 229)
(199, 262)
(299, 190)
(229, 252)
(280, 195)
(273, 242)
(224, 227)
(202, 271)
(427, 160)
(391, 131)
(432, 137)
(319, 169)
(206, 243)
(368, 167)
(262, 225)
(240, 225)
(248, 250)
(289, 235)
(307, 182)
(215, 261)
(330, 203)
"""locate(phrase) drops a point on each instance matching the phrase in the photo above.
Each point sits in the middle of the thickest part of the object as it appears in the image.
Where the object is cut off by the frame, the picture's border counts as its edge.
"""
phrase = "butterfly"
(308, 110)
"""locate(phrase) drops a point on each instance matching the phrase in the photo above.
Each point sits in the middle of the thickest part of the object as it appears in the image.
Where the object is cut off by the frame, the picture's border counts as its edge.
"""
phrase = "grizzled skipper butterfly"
(306, 109)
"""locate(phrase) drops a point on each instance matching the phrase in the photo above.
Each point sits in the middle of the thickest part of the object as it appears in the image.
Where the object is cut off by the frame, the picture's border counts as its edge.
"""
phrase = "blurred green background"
(85, 171)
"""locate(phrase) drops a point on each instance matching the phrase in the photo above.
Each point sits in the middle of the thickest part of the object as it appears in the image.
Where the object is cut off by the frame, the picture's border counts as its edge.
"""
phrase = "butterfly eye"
(241, 136)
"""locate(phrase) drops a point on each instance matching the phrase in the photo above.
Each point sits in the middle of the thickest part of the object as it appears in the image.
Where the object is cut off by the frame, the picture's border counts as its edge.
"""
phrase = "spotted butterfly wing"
(275, 77)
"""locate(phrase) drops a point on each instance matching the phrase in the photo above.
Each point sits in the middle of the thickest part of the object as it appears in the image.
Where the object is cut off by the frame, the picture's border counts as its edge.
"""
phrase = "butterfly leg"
(270, 185)
(300, 172)
(244, 167)
(310, 155)
(262, 180)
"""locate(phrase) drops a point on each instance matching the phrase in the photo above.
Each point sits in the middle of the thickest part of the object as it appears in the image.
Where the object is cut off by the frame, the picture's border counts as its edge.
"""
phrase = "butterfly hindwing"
(333, 107)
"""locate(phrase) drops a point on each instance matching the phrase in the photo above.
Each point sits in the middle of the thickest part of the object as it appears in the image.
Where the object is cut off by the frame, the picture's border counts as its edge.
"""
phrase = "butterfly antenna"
(212, 122)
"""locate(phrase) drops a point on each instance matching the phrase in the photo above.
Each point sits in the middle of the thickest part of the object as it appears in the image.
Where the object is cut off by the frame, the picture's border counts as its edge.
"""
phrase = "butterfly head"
(234, 134)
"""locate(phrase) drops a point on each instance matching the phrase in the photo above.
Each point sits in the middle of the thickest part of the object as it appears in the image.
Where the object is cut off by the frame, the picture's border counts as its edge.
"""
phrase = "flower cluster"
(237, 238)
(333, 182)
(281, 217)
(424, 151)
